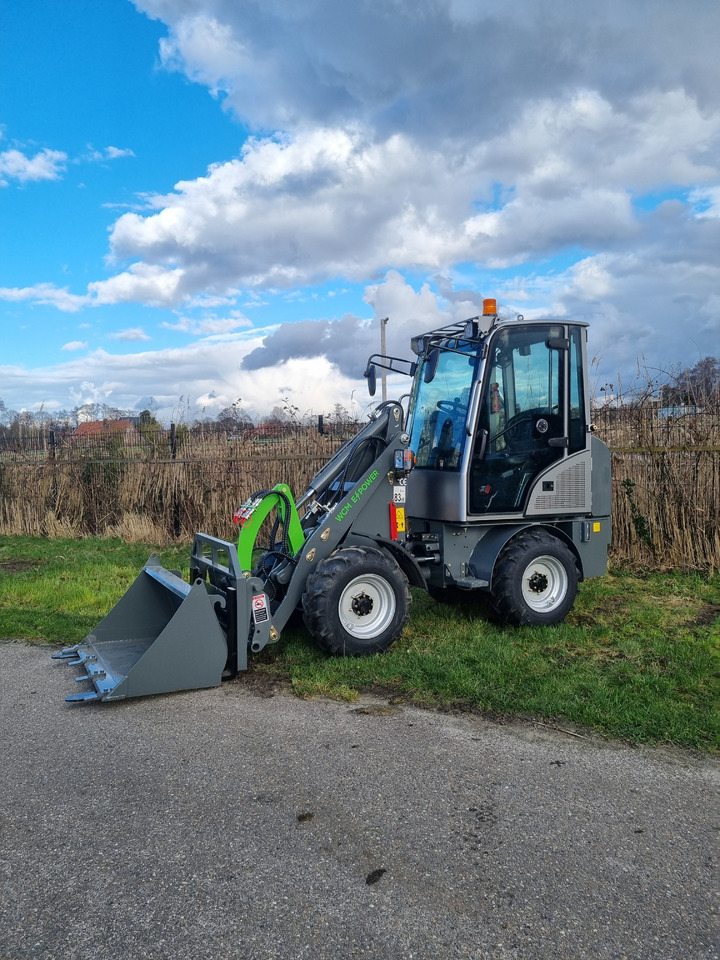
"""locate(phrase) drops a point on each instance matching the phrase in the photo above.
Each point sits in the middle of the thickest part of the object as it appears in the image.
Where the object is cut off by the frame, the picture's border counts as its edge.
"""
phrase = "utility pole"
(383, 324)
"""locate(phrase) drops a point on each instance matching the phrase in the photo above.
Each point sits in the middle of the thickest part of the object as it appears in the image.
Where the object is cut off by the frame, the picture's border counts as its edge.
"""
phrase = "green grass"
(55, 591)
(637, 659)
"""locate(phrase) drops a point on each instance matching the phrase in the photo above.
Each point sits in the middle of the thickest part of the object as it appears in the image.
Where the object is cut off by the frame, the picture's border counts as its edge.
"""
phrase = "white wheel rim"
(367, 606)
(544, 584)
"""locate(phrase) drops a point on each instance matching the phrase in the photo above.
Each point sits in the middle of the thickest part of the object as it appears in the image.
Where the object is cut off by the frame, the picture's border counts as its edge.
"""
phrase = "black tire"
(535, 580)
(357, 602)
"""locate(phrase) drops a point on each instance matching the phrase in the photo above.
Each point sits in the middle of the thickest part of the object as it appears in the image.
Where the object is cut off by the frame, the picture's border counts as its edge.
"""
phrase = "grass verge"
(637, 659)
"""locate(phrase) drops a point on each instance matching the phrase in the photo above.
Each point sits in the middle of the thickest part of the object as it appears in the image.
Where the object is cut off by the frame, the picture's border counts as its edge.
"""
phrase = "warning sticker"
(259, 608)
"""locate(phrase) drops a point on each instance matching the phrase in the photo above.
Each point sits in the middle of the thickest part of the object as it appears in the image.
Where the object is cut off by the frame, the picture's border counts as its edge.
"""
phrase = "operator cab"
(496, 419)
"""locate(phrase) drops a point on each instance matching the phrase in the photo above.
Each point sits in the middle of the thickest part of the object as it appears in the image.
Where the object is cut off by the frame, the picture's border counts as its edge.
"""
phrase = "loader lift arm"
(333, 510)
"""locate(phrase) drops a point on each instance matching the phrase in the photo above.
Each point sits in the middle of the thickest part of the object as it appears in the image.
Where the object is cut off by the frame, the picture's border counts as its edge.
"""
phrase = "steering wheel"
(525, 416)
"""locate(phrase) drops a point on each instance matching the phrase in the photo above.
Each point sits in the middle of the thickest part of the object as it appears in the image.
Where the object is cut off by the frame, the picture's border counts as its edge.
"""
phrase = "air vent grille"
(569, 493)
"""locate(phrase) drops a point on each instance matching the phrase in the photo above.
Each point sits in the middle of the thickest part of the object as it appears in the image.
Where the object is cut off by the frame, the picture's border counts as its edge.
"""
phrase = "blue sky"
(219, 199)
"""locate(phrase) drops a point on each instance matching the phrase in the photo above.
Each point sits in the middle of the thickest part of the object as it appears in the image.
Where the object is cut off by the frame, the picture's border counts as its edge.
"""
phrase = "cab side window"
(578, 422)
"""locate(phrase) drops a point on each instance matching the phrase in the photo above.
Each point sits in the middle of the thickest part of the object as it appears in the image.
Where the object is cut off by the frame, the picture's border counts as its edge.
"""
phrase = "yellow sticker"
(400, 519)
(596, 528)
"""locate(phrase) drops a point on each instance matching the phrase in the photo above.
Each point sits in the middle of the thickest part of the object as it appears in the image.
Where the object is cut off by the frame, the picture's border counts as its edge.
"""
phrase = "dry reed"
(666, 488)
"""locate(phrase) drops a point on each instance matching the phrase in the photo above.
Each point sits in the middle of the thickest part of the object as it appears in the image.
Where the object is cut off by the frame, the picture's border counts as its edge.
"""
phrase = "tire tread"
(505, 606)
(319, 614)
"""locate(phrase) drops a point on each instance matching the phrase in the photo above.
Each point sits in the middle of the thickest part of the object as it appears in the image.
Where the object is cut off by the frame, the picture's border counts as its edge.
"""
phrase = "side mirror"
(371, 376)
(431, 365)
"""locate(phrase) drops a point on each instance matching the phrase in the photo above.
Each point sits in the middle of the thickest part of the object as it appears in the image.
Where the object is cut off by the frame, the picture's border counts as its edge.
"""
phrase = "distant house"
(96, 429)
(270, 430)
(679, 410)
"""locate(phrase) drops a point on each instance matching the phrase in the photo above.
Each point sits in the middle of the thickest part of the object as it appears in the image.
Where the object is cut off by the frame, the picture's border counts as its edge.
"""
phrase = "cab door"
(523, 417)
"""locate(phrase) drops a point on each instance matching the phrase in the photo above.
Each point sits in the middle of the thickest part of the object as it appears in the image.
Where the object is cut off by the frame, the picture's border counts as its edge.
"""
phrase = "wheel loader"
(484, 479)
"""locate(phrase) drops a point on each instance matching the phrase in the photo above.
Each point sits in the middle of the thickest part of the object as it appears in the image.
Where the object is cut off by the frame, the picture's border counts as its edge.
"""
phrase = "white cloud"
(339, 203)
(328, 202)
(318, 363)
(107, 153)
(117, 153)
(314, 385)
(154, 285)
(74, 345)
(208, 326)
(438, 70)
(334, 203)
(410, 312)
(45, 165)
(131, 335)
(45, 293)
(206, 49)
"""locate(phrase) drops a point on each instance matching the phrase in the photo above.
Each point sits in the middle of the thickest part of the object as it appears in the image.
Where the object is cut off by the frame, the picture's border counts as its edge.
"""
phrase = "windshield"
(437, 435)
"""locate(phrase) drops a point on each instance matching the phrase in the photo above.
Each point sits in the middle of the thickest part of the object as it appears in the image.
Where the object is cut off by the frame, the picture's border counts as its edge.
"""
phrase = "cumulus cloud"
(435, 68)
(74, 345)
(345, 342)
(194, 381)
(388, 159)
(291, 211)
(332, 202)
(46, 164)
(350, 340)
(147, 283)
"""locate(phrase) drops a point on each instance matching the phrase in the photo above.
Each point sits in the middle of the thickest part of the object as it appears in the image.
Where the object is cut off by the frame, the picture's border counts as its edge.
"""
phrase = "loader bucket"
(162, 635)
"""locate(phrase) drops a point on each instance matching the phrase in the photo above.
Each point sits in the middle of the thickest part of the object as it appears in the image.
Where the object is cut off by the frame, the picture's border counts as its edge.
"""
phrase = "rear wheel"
(356, 602)
(535, 580)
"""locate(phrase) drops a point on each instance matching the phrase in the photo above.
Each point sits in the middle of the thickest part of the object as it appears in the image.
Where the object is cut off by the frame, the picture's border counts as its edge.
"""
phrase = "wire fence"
(160, 485)
(151, 485)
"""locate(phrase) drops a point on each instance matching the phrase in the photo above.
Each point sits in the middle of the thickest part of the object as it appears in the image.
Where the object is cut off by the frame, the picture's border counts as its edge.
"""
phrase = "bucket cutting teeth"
(66, 653)
(84, 697)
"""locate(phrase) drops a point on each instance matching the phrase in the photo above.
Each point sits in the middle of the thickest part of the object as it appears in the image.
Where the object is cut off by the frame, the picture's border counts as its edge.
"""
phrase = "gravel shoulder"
(224, 824)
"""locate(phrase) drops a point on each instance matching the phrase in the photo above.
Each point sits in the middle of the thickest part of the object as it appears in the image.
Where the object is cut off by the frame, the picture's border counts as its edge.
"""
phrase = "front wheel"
(535, 580)
(356, 602)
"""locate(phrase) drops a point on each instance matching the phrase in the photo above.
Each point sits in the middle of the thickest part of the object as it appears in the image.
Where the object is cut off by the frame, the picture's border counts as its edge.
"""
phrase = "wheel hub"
(362, 604)
(538, 582)
(367, 606)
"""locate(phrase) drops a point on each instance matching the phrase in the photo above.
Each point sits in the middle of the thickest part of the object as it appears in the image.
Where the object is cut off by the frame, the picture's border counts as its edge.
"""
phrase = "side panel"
(563, 488)
(601, 478)
(591, 541)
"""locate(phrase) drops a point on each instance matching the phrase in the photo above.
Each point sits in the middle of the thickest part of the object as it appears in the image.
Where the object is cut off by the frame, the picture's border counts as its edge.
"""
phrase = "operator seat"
(443, 453)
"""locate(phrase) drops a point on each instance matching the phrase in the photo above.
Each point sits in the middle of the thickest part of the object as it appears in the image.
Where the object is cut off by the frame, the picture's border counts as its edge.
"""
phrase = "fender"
(488, 547)
(407, 563)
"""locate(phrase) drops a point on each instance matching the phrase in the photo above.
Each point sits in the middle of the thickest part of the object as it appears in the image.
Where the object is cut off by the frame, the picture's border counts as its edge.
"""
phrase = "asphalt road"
(222, 824)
